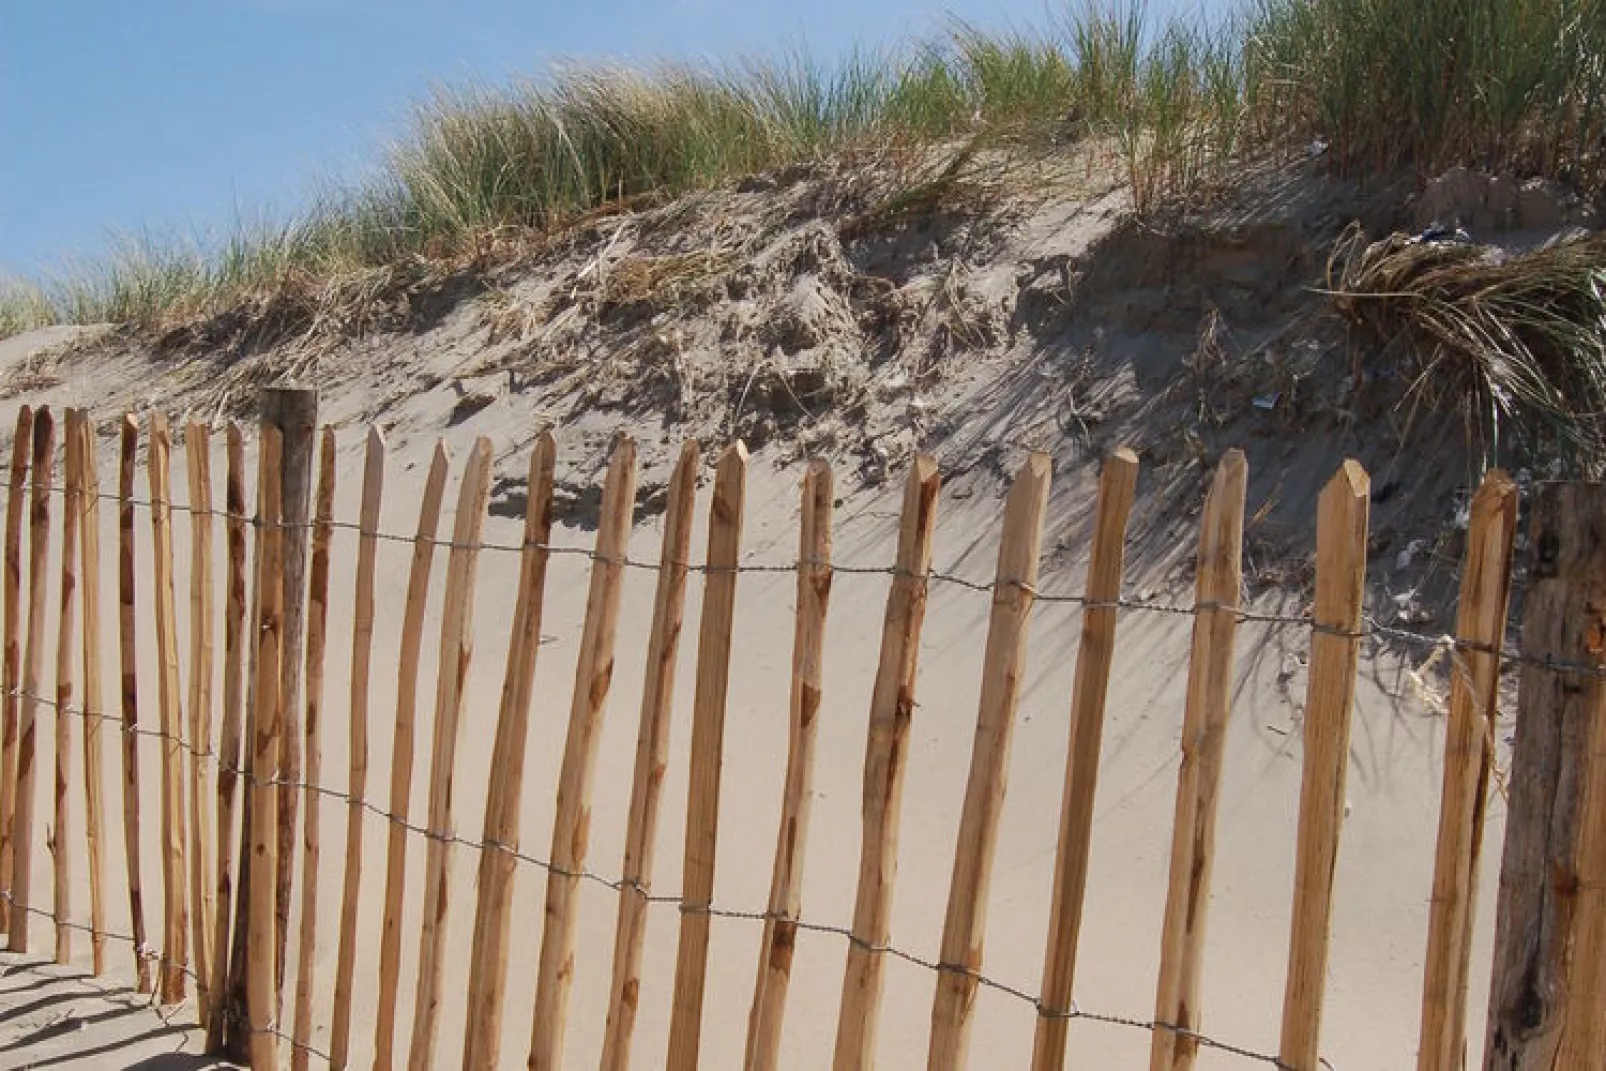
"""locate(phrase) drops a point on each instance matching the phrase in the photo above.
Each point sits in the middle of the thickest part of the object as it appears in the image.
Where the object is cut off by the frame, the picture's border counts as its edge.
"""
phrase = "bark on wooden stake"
(401, 769)
(317, 636)
(1003, 666)
(652, 758)
(33, 661)
(786, 880)
(1549, 859)
(707, 755)
(175, 914)
(892, 704)
(1468, 759)
(16, 503)
(1204, 739)
(1094, 657)
(128, 656)
(294, 411)
(457, 648)
(226, 998)
(203, 903)
(266, 724)
(61, 836)
(362, 646)
(487, 974)
(94, 700)
(571, 822)
(1341, 529)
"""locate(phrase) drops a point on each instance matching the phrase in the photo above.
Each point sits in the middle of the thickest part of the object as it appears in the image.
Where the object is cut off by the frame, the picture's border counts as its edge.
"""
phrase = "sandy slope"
(979, 423)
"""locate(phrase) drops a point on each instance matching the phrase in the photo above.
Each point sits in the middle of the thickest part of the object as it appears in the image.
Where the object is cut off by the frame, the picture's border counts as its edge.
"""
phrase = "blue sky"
(181, 116)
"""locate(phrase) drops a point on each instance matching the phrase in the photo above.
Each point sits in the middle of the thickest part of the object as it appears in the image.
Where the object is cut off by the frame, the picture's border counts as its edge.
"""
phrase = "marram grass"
(1516, 86)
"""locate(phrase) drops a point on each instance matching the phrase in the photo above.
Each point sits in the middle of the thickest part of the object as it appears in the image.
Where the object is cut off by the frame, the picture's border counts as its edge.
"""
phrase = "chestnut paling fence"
(241, 772)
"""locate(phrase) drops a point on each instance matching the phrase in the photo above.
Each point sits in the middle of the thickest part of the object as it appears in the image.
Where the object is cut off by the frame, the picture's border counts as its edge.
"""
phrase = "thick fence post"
(456, 652)
(16, 503)
(317, 641)
(61, 838)
(652, 758)
(203, 903)
(571, 820)
(362, 648)
(235, 639)
(1004, 664)
(892, 704)
(1089, 690)
(707, 755)
(33, 660)
(128, 660)
(401, 766)
(94, 783)
(1204, 740)
(175, 913)
(1468, 759)
(294, 411)
(257, 963)
(1342, 515)
(786, 879)
(1544, 1007)
(487, 974)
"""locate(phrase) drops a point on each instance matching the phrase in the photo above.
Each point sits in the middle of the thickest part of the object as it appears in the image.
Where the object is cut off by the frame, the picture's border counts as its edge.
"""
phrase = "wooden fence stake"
(786, 880)
(487, 975)
(61, 836)
(707, 755)
(265, 728)
(1089, 690)
(1341, 529)
(16, 501)
(128, 657)
(1204, 739)
(1542, 993)
(1583, 1020)
(229, 744)
(203, 905)
(175, 916)
(886, 748)
(294, 411)
(94, 702)
(572, 820)
(362, 647)
(1468, 756)
(1004, 664)
(317, 639)
(652, 758)
(44, 465)
(401, 769)
(457, 649)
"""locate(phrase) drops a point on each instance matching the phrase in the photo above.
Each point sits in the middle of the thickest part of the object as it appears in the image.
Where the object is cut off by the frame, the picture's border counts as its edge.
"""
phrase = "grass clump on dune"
(1499, 335)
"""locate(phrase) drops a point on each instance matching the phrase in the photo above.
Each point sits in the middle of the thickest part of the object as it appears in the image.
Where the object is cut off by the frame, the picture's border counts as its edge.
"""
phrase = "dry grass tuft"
(1517, 340)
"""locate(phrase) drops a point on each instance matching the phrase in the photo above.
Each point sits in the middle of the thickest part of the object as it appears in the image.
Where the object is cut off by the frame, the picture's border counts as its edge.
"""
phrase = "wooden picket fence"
(230, 792)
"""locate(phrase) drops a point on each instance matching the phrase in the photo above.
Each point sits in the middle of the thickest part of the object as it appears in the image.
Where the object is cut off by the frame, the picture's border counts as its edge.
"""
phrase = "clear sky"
(181, 116)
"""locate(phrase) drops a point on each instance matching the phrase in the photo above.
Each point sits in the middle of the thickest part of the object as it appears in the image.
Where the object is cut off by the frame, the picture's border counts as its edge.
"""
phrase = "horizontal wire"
(621, 885)
(1372, 627)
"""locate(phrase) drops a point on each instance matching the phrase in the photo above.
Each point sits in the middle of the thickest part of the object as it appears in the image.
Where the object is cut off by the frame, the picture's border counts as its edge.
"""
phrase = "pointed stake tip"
(1351, 480)
(733, 456)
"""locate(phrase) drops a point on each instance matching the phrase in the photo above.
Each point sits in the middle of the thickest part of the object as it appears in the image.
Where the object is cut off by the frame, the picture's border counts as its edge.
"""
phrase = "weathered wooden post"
(1545, 1001)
